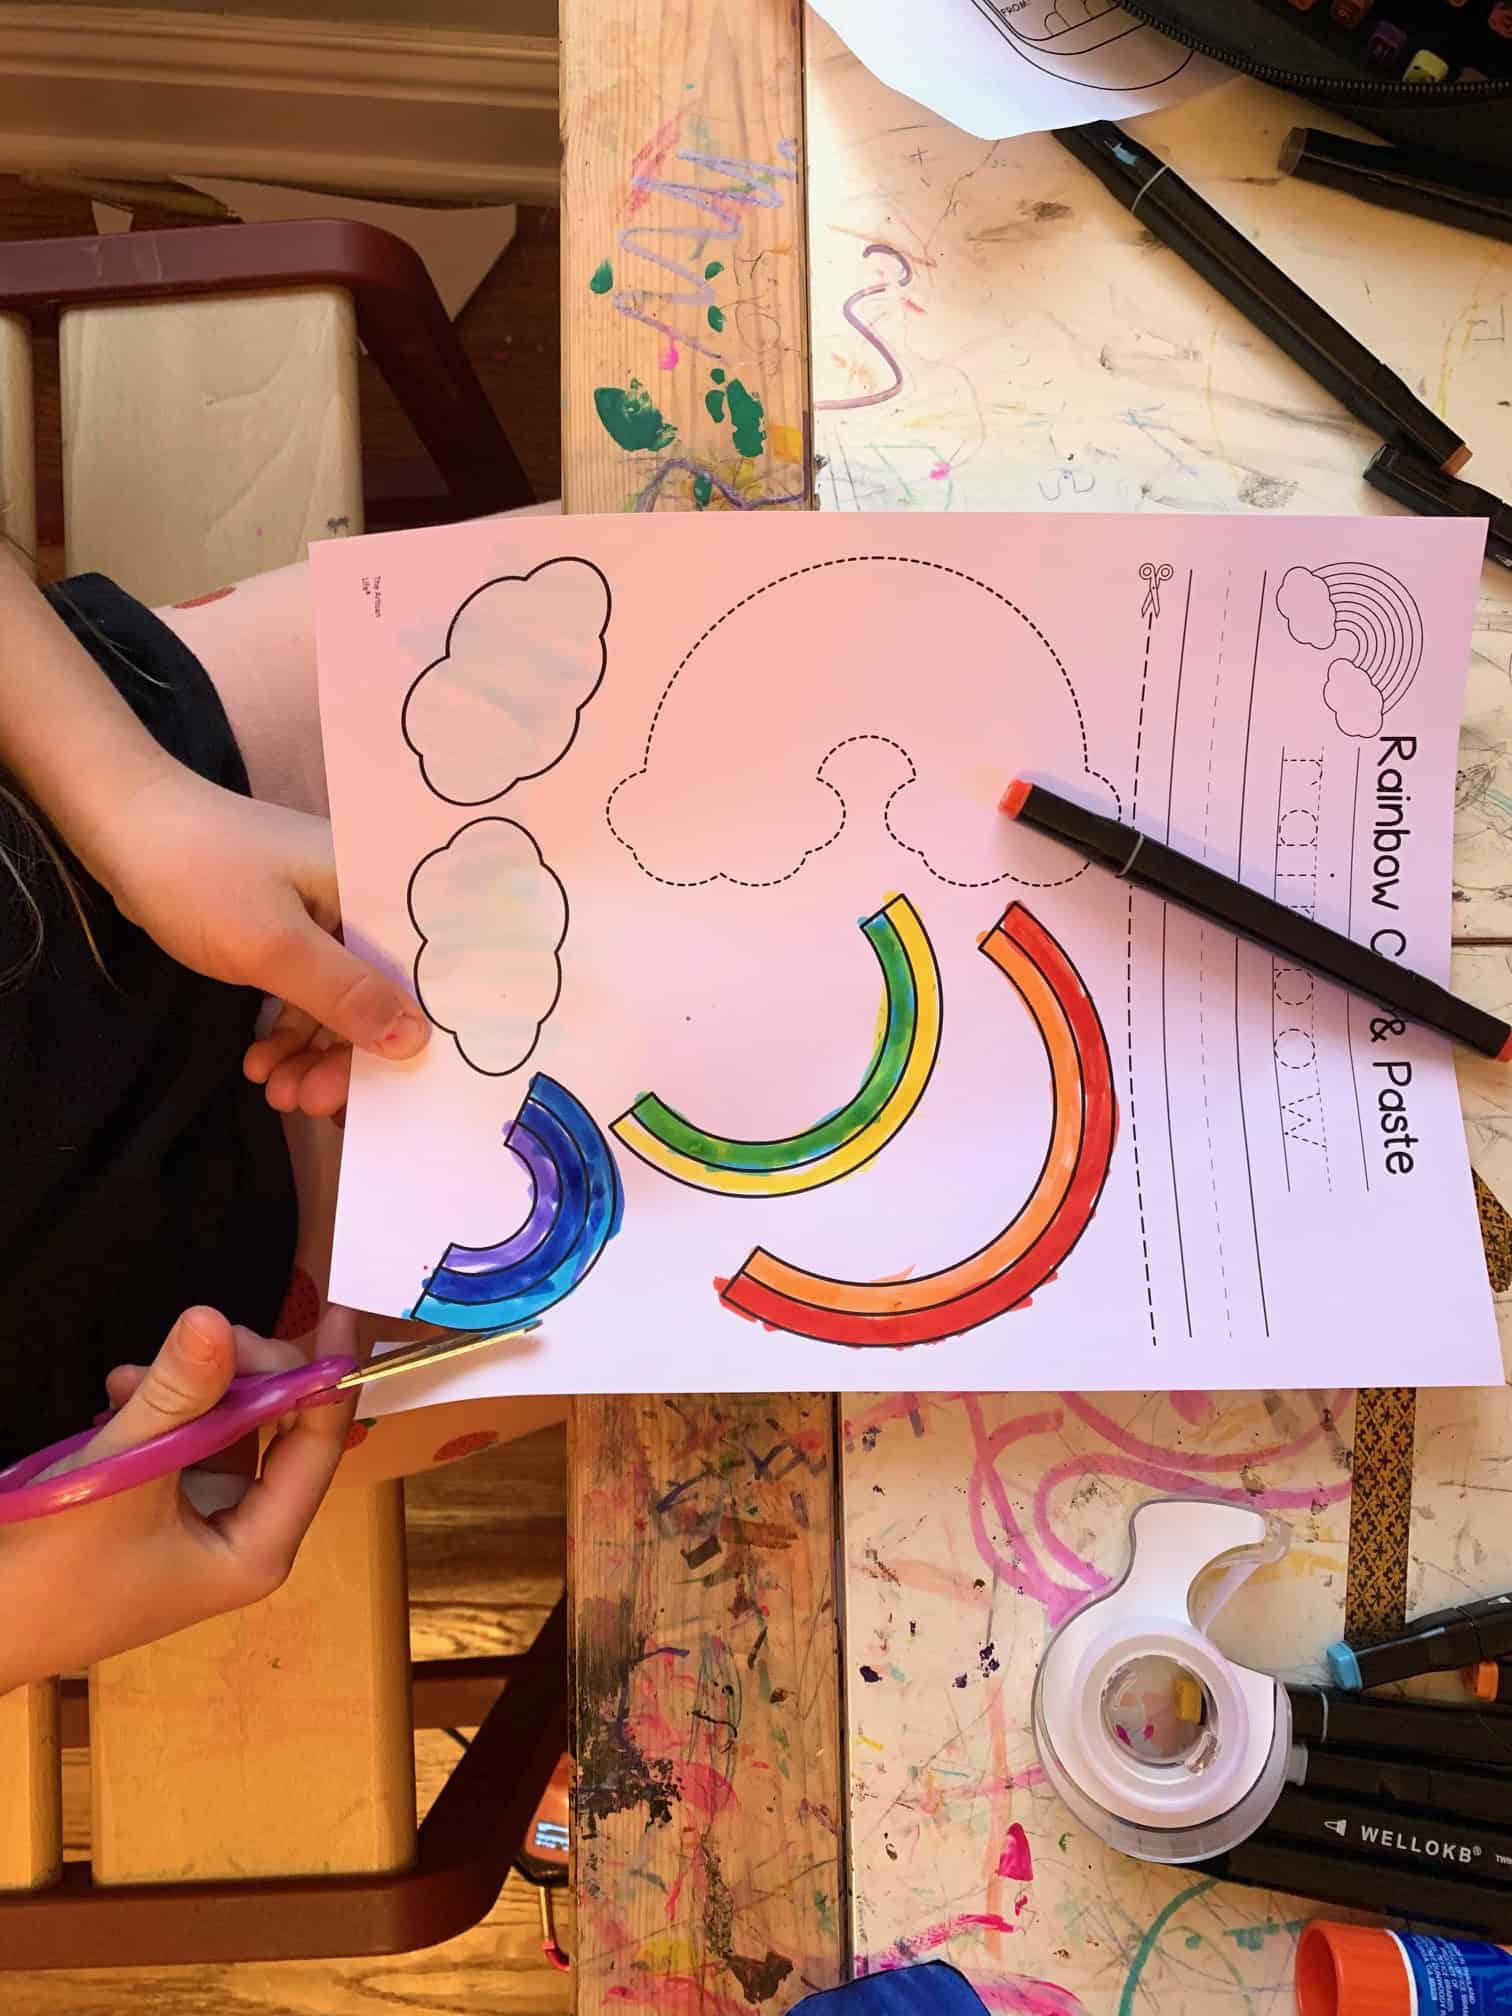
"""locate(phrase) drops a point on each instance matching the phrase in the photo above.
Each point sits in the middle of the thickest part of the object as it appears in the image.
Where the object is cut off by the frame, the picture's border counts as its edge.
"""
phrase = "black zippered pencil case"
(1440, 78)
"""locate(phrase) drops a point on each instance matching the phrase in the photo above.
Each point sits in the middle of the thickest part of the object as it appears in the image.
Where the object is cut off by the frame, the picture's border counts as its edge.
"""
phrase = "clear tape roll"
(1159, 1744)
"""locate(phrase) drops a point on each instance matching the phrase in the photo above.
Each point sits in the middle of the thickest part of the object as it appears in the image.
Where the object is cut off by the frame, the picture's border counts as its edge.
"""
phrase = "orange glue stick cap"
(1351, 1970)
(1357, 1970)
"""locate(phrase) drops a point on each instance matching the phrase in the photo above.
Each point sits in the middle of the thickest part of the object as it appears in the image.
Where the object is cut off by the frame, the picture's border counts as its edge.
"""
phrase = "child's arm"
(145, 1563)
(238, 890)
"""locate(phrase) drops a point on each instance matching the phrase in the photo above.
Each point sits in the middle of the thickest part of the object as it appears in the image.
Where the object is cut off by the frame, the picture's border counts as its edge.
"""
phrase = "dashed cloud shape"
(524, 655)
(784, 730)
(1352, 699)
(1305, 602)
(492, 916)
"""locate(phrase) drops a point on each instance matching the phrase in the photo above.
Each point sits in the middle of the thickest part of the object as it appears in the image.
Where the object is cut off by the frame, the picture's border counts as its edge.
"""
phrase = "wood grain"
(707, 1834)
(18, 476)
(237, 415)
(31, 1823)
(275, 1740)
(685, 379)
(706, 1676)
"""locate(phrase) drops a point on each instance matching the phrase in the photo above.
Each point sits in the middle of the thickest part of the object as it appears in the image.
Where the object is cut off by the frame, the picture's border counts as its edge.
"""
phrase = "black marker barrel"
(1409, 179)
(1418, 1844)
(1277, 306)
(1364, 1883)
(1196, 887)
(1404, 1782)
(1327, 1717)
(1442, 1641)
(1400, 474)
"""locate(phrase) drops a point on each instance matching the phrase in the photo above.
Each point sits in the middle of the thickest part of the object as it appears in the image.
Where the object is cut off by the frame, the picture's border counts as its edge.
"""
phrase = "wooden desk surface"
(1048, 357)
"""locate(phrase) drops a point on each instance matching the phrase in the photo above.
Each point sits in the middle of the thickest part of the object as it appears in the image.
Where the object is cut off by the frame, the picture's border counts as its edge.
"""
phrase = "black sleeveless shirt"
(141, 1172)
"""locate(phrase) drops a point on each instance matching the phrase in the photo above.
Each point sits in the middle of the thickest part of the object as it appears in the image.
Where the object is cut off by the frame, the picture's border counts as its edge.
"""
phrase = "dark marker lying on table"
(1457, 1636)
(1400, 178)
(1156, 195)
(1326, 1718)
(1398, 473)
(1178, 879)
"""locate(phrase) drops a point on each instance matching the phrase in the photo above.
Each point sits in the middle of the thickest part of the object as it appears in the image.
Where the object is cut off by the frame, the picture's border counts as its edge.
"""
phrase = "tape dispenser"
(1155, 1741)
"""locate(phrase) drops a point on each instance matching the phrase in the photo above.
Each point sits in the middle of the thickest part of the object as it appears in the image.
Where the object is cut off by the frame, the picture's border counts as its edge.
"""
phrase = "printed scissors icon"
(1154, 577)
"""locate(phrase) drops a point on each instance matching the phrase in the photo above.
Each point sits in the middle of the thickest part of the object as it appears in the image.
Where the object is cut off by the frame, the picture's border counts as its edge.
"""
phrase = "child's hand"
(97, 1579)
(245, 892)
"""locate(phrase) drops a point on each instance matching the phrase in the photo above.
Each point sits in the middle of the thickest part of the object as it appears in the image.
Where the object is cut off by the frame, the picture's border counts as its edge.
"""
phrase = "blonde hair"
(31, 825)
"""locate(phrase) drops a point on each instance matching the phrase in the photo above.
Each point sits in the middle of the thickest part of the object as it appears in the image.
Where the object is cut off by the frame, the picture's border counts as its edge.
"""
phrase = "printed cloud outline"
(1303, 599)
(473, 749)
(433, 992)
(1351, 698)
(838, 811)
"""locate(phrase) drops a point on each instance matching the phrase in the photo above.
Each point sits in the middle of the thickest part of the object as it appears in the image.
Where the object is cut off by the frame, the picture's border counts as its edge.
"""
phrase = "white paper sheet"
(1001, 67)
(670, 806)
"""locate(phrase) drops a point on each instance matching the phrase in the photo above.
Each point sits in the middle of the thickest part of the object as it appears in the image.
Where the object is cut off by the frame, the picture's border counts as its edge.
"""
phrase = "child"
(165, 863)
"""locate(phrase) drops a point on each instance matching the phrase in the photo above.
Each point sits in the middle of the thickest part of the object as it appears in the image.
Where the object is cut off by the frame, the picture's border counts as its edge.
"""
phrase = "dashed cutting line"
(816, 567)
(1144, 1238)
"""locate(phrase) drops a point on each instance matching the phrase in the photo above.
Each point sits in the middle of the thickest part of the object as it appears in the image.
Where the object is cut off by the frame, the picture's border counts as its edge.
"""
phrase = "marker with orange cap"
(1177, 878)
(1490, 1679)
(1356, 1970)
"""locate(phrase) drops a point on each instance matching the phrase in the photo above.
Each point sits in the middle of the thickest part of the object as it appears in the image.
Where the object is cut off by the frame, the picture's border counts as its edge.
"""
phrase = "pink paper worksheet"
(769, 1054)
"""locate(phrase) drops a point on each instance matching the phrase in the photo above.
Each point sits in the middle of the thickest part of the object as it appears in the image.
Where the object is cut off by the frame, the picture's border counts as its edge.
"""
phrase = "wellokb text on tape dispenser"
(1157, 1742)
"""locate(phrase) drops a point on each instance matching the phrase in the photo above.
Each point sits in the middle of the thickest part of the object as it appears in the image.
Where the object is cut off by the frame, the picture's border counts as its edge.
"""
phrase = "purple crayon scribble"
(869, 336)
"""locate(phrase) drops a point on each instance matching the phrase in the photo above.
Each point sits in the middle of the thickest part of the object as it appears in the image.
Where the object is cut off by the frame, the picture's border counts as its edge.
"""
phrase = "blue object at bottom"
(932, 1989)
(1457, 1977)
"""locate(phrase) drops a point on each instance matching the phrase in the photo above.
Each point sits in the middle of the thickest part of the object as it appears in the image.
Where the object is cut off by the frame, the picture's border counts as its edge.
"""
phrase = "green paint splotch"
(603, 277)
(714, 400)
(703, 490)
(747, 420)
(717, 375)
(713, 269)
(630, 417)
(716, 319)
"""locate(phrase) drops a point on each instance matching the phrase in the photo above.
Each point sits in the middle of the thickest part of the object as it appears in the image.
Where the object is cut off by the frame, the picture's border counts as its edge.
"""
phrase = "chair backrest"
(206, 440)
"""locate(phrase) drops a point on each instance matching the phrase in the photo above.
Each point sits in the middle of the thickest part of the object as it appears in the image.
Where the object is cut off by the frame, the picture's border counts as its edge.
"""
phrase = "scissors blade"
(427, 1351)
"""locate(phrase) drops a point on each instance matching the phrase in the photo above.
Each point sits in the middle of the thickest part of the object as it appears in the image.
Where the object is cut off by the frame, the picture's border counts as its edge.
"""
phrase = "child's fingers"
(315, 1081)
(265, 1529)
(323, 1089)
(253, 1354)
(185, 1380)
(289, 1034)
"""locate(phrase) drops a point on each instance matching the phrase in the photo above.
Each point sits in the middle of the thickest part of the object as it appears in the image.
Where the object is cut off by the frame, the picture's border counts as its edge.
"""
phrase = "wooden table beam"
(706, 1655)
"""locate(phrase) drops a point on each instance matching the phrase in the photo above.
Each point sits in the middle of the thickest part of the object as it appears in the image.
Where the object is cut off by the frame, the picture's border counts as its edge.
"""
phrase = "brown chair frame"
(398, 311)
(467, 1845)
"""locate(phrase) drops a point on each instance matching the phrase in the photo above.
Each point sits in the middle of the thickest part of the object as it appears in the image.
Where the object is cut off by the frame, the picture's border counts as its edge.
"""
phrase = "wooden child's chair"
(252, 1780)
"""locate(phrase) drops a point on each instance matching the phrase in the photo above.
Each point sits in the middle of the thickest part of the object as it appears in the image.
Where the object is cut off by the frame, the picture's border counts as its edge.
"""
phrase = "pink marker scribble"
(1192, 1459)
(1015, 1861)
(940, 471)
(1019, 1567)
(647, 159)
(669, 356)
(1194, 1408)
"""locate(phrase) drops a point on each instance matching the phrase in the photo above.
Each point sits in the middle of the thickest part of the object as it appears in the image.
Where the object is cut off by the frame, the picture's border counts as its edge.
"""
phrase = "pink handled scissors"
(247, 1403)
